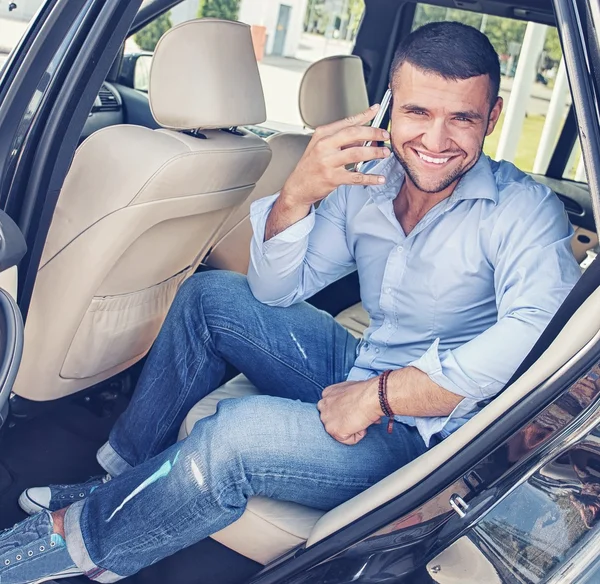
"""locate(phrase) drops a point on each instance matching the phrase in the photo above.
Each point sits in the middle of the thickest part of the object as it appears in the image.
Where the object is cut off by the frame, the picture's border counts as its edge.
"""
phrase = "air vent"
(108, 101)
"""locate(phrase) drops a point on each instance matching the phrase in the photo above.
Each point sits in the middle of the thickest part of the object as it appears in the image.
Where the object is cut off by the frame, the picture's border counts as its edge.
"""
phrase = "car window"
(533, 77)
(14, 20)
(288, 37)
(575, 170)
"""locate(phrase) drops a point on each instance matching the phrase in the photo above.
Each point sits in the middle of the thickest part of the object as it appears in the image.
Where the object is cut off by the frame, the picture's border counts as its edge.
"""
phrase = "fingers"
(359, 119)
(352, 439)
(358, 178)
(360, 154)
(353, 145)
(355, 134)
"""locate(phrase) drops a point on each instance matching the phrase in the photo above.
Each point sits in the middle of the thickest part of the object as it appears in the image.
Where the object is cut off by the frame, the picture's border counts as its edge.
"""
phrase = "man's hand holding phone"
(322, 168)
(332, 148)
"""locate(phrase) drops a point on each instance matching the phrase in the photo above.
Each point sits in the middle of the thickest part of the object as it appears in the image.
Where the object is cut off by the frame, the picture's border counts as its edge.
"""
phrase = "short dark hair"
(452, 50)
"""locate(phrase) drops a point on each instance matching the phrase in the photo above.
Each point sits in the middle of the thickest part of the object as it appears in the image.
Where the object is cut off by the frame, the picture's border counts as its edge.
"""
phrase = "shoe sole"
(65, 574)
(31, 508)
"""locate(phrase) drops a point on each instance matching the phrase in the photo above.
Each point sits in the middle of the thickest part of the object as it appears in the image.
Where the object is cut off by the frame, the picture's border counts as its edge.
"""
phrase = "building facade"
(284, 21)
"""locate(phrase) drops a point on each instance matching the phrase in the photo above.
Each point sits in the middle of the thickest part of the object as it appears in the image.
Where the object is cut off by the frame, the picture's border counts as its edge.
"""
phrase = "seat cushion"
(355, 319)
(238, 387)
(268, 528)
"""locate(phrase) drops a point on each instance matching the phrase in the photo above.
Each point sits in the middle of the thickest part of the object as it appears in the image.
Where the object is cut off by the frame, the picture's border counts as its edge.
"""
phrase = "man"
(462, 263)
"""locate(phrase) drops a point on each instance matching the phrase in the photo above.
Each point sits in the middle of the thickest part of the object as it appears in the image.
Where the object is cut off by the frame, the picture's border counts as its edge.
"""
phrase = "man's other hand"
(322, 168)
(347, 409)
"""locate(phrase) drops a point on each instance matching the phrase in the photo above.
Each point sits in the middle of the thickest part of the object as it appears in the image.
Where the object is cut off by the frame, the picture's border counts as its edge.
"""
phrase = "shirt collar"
(478, 183)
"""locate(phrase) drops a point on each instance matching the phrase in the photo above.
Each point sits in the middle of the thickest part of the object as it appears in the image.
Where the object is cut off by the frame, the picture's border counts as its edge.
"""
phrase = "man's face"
(439, 125)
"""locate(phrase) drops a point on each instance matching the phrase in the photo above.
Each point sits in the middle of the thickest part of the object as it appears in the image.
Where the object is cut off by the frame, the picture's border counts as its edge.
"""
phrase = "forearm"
(283, 215)
(411, 392)
(275, 270)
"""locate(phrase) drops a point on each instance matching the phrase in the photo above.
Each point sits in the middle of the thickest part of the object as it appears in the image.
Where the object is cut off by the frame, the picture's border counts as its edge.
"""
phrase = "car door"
(12, 249)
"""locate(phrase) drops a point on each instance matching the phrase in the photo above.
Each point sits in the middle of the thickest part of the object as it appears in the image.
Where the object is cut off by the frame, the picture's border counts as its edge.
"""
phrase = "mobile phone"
(385, 104)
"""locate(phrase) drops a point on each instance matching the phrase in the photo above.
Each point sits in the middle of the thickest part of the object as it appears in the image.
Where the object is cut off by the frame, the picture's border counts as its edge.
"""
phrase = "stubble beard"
(445, 182)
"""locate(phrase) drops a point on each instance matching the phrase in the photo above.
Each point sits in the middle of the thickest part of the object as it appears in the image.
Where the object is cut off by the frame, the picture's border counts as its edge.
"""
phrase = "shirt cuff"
(443, 372)
(447, 373)
(259, 213)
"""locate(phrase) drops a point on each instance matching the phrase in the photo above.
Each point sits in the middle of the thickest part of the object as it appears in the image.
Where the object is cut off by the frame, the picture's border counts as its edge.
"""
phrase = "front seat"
(140, 208)
(331, 89)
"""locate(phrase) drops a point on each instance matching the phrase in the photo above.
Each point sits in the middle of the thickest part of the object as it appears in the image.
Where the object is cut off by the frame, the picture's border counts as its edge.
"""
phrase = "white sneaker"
(55, 497)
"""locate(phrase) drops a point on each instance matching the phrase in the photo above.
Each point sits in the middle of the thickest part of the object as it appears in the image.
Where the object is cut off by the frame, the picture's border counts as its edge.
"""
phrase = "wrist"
(290, 198)
(371, 399)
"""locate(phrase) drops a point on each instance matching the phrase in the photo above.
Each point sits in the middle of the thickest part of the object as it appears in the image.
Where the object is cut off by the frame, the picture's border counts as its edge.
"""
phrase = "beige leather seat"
(331, 89)
(140, 208)
(269, 528)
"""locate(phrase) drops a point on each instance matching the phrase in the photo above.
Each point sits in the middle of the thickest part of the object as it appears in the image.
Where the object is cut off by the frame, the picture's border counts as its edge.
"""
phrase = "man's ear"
(494, 116)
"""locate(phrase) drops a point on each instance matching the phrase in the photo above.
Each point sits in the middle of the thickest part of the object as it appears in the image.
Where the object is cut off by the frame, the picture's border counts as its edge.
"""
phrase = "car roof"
(536, 10)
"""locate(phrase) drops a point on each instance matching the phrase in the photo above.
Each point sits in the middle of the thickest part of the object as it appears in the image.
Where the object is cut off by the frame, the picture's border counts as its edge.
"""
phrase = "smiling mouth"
(434, 160)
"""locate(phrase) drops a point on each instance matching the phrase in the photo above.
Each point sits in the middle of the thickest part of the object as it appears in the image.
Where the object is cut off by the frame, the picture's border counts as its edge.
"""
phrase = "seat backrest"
(331, 89)
(140, 208)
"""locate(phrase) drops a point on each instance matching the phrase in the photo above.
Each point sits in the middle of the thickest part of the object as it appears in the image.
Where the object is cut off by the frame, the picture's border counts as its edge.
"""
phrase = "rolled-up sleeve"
(302, 259)
(534, 270)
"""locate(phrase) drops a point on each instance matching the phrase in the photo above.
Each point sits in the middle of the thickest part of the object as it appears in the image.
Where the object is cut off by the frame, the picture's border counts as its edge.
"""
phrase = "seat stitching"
(251, 512)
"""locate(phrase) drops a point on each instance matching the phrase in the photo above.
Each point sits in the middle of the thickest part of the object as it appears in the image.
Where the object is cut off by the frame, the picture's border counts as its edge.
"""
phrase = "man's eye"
(462, 119)
(418, 112)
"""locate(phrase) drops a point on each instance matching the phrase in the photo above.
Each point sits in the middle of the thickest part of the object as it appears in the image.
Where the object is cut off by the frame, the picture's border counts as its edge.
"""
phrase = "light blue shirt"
(463, 297)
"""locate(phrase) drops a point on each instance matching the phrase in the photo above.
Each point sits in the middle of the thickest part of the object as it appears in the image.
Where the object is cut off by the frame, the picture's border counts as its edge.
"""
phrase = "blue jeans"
(167, 495)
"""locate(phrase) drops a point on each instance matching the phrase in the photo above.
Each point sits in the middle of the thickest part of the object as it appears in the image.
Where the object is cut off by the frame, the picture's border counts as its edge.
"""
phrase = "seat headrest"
(204, 75)
(332, 89)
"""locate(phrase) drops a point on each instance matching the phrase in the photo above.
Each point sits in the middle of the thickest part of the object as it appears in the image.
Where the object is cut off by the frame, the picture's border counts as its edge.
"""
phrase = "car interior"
(159, 189)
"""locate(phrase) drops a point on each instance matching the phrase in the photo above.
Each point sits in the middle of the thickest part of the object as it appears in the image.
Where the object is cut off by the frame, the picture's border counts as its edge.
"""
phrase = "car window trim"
(566, 142)
(574, 46)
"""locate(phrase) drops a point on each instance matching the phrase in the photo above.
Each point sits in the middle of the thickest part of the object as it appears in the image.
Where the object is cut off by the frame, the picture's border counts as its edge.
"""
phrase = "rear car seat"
(268, 528)
(331, 89)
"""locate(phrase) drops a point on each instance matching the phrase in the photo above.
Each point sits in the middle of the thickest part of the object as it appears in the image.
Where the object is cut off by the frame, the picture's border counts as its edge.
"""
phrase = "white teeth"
(434, 160)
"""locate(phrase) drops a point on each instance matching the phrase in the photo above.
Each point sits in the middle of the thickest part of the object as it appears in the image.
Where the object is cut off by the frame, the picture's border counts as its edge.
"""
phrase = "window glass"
(14, 20)
(530, 59)
(575, 170)
(288, 36)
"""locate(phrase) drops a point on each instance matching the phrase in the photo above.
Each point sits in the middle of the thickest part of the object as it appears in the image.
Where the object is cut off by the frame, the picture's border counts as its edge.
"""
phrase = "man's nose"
(436, 138)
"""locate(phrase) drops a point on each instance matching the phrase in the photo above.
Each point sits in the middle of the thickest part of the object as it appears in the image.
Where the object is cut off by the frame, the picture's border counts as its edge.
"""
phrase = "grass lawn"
(528, 144)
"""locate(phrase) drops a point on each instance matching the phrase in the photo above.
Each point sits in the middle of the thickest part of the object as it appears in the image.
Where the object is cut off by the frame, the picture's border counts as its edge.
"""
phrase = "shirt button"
(377, 350)
(400, 249)
(388, 290)
(389, 325)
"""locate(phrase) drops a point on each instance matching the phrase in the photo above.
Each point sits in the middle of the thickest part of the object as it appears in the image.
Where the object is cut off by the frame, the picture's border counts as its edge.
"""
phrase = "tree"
(426, 14)
(225, 9)
(500, 31)
(356, 9)
(504, 31)
(148, 37)
(552, 45)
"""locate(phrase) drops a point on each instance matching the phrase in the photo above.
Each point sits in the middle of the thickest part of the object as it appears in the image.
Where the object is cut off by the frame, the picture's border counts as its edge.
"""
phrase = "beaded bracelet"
(384, 404)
